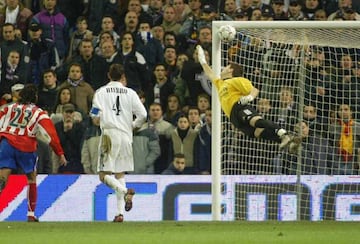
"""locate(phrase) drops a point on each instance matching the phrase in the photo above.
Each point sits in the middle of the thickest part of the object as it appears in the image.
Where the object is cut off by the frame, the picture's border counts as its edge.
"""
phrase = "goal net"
(308, 74)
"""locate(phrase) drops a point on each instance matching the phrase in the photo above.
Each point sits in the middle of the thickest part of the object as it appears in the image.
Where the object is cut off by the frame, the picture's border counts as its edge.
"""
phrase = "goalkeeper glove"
(246, 99)
(201, 55)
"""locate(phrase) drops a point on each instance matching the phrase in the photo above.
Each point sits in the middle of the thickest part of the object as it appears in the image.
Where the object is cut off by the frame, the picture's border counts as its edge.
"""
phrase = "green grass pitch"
(180, 232)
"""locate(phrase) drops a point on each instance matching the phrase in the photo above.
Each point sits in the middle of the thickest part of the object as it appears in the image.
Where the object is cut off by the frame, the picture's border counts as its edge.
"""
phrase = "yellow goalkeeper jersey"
(230, 91)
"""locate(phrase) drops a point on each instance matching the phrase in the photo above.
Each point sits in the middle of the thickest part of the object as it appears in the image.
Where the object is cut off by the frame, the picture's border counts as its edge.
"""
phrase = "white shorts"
(120, 159)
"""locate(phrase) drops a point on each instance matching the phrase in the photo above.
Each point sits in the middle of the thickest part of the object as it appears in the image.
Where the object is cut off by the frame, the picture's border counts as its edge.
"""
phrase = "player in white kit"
(116, 105)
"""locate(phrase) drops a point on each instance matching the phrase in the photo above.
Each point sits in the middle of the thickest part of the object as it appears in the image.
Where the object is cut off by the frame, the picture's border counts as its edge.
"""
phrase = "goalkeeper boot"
(128, 199)
(119, 218)
(32, 219)
(285, 141)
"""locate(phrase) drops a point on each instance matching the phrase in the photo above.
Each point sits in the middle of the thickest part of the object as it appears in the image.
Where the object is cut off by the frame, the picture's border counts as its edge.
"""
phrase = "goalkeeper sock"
(114, 184)
(32, 198)
(270, 134)
(263, 123)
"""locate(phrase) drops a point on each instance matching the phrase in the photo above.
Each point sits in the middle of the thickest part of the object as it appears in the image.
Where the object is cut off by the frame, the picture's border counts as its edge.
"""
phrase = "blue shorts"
(12, 158)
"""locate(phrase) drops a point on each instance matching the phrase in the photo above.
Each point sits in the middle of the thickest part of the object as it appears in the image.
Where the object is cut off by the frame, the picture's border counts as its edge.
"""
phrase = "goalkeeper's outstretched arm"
(202, 60)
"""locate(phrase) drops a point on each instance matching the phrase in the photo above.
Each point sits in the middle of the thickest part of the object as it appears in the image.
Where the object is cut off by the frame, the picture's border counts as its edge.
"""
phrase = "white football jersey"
(116, 105)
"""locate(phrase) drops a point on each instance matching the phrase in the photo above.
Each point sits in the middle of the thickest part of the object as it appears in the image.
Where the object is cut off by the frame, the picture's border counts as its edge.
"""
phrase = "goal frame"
(216, 108)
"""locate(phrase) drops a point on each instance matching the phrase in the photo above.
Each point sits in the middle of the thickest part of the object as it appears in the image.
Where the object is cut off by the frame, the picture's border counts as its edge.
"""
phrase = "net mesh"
(309, 82)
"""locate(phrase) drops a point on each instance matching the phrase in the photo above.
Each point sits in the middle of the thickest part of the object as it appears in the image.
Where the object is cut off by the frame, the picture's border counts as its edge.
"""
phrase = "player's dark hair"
(237, 70)
(116, 71)
(28, 94)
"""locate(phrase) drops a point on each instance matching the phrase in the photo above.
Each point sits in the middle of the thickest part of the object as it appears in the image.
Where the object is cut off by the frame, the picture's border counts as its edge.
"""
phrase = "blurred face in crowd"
(194, 4)
(49, 4)
(320, 14)
(309, 112)
(264, 105)
(203, 103)
(170, 55)
(65, 96)
(169, 14)
(208, 114)
(179, 5)
(230, 6)
(131, 20)
(346, 62)
(35, 35)
(75, 72)
(278, 7)
(345, 112)
(82, 26)
(294, 9)
(344, 3)
(156, 4)
(181, 59)
(302, 129)
(311, 4)
(107, 49)
(107, 24)
(160, 73)
(86, 48)
(244, 4)
(8, 33)
(127, 42)
(12, 4)
(106, 36)
(135, 6)
(144, 27)
(173, 103)
(205, 35)
(183, 123)
(194, 116)
(169, 40)
(256, 14)
(49, 80)
(179, 164)
(14, 58)
(155, 112)
(158, 33)
(286, 97)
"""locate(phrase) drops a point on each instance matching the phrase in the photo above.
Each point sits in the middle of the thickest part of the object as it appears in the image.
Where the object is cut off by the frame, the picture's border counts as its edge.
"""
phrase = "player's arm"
(47, 128)
(202, 60)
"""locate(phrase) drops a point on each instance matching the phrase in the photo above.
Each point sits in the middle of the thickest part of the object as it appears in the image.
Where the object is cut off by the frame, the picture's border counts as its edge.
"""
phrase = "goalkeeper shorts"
(240, 117)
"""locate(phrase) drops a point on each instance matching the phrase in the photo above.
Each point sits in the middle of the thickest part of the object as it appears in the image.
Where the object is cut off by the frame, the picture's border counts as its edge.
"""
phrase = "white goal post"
(307, 36)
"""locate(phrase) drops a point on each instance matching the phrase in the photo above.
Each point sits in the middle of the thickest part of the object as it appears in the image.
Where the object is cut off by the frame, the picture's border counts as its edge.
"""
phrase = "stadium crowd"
(66, 47)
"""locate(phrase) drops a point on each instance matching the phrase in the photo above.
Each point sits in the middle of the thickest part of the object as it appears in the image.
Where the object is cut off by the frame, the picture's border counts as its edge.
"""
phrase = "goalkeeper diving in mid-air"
(235, 94)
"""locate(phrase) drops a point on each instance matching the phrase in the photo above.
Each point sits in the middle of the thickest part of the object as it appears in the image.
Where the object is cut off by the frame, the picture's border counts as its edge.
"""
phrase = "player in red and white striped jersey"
(19, 124)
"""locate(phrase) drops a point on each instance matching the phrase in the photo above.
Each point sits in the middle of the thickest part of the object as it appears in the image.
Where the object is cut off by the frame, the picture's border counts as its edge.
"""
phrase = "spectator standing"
(346, 135)
(22, 142)
(163, 129)
(15, 13)
(48, 91)
(148, 46)
(173, 109)
(54, 26)
(316, 153)
(92, 65)
(90, 147)
(81, 92)
(169, 20)
(177, 165)
(161, 88)
(43, 54)
(70, 133)
(82, 32)
(203, 146)
(116, 155)
(183, 141)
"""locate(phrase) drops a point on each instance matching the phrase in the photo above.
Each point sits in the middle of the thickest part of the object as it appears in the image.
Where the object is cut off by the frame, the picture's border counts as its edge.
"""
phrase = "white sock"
(120, 197)
(281, 132)
(114, 184)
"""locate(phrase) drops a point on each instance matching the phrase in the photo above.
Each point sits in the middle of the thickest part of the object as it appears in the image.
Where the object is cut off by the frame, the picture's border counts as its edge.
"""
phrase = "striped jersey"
(19, 124)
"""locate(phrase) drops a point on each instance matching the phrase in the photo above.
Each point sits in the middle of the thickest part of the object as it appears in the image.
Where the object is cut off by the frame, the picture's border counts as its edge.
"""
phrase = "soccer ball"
(227, 33)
